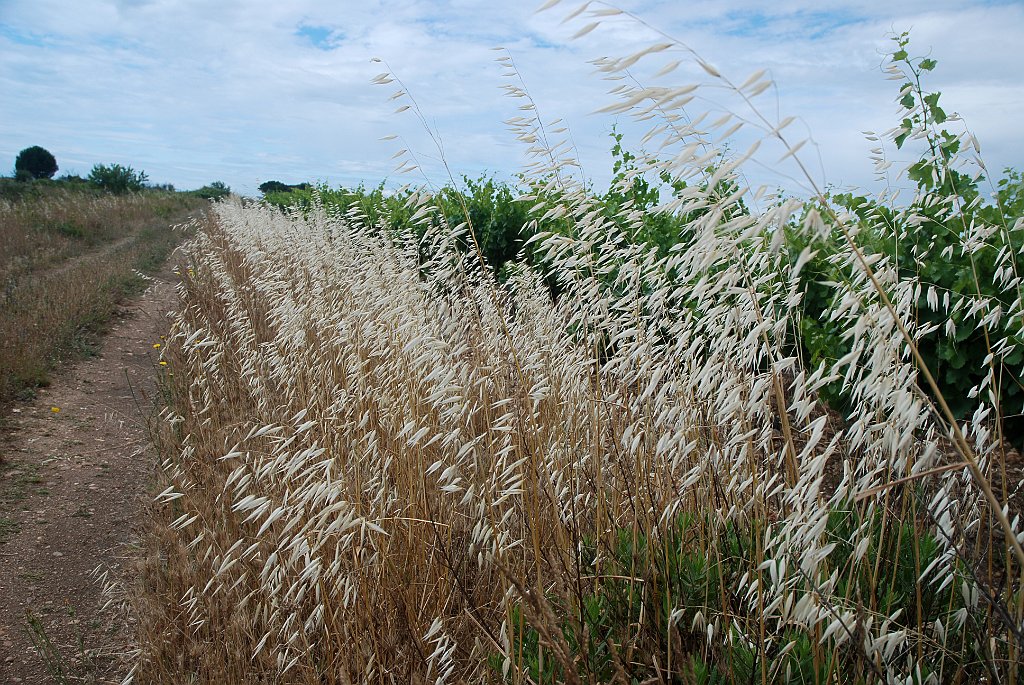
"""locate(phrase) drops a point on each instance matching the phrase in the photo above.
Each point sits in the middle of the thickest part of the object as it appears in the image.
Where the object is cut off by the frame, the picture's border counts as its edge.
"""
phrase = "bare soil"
(75, 470)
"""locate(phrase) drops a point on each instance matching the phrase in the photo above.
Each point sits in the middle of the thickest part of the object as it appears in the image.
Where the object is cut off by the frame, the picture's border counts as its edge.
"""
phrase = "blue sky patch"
(321, 37)
(809, 24)
(22, 37)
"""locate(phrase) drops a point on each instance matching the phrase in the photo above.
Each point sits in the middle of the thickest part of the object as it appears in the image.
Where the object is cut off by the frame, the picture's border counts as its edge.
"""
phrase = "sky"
(193, 91)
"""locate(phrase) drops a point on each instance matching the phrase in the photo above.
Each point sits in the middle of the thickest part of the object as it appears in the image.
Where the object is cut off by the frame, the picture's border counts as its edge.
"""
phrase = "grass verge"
(61, 289)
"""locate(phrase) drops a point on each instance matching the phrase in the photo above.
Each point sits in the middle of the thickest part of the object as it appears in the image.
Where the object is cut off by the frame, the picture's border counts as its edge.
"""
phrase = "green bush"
(213, 191)
(927, 241)
(117, 179)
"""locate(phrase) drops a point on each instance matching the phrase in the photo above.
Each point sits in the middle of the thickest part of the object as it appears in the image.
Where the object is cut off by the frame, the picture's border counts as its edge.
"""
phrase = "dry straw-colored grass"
(383, 467)
(46, 227)
(66, 257)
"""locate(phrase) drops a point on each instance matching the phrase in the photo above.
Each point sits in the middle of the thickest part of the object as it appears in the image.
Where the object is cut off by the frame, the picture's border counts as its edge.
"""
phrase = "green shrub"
(213, 191)
(117, 179)
(929, 241)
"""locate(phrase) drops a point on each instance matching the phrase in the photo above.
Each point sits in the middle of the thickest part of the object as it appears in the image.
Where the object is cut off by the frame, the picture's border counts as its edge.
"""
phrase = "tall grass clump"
(626, 462)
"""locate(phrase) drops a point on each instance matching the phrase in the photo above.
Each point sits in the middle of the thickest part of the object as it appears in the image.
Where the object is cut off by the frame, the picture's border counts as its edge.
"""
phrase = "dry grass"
(382, 467)
(372, 476)
(65, 259)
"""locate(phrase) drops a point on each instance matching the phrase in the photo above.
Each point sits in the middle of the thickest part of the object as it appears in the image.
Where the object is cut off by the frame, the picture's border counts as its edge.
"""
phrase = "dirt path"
(75, 471)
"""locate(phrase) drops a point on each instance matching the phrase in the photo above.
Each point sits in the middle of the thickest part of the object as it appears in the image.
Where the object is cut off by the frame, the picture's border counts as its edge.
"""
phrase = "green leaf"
(963, 332)
(908, 125)
(921, 173)
(907, 101)
(927, 64)
(932, 100)
(899, 56)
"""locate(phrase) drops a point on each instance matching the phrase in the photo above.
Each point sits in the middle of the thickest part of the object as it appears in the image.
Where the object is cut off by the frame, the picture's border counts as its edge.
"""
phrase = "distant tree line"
(38, 164)
(279, 187)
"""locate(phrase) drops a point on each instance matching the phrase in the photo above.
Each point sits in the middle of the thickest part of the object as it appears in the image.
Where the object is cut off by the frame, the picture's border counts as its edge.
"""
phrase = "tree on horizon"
(36, 162)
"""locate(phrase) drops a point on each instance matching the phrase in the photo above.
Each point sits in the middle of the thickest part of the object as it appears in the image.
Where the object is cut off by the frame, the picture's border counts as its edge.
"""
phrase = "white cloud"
(194, 91)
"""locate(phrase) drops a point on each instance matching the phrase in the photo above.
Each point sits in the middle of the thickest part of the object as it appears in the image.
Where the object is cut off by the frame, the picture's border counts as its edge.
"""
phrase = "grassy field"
(67, 256)
(690, 432)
